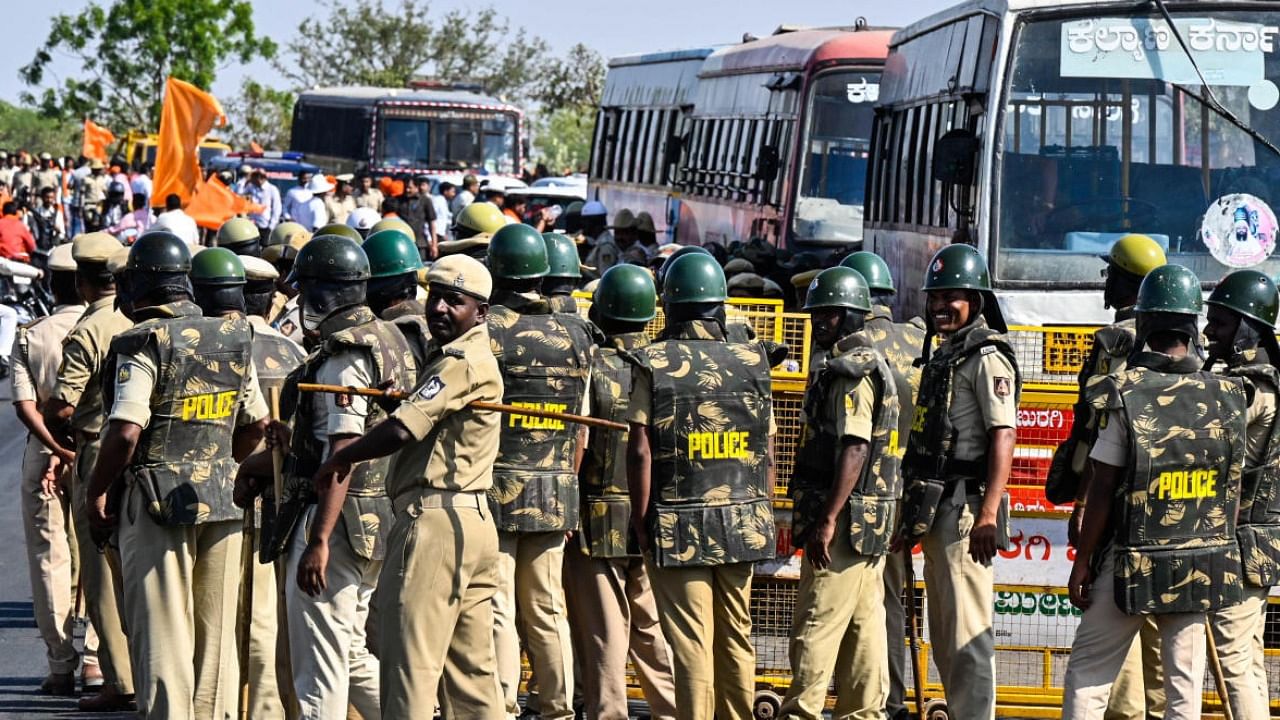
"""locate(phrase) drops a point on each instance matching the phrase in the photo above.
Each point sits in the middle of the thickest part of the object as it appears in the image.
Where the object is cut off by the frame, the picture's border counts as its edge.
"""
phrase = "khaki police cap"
(802, 280)
(258, 269)
(118, 261)
(94, 247)
(61, 259)
(453, 247)
(644, 222)
(462, 273)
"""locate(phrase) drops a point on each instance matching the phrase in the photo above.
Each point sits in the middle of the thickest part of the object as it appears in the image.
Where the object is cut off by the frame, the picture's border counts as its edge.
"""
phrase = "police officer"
(334, 532)
(1241, 333)
(1158, 532)
(393, 287)
(274, 357)
(956, 467)
(472, 230)
(46, 508)
(700, 475)
(184, 408)
(611, 604)
(1138, 691)
(564, 275)
(846, 489)
(899, 344)
(545, 361)
(74, 413)
(240, 236)
(437, 635)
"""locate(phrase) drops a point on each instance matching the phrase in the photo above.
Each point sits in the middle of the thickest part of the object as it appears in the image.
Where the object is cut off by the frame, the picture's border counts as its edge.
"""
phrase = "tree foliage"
(366, 43)
(27, 129)
(562, 138)
(128, 48)
(568, 93)
(259, 114)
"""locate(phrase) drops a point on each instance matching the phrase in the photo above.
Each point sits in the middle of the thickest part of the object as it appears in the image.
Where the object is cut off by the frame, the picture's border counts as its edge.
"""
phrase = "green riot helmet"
(625, 294)
(391, 223)
(694, 278)
(478, 218)
(1170, 289)
(332, 273)
(958, 267)
(873, 269)
(240, 236)
(679, 253)
(391, 253)
(217, 266)
(1250, 294)
(562, 256)
(340, 229)
(517, 252)
(841, 287)
(284, 232)
(157, 261)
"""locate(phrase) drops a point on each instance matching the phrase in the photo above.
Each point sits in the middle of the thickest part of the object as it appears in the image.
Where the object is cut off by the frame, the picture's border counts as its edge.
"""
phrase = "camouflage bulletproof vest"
(1112, 346)
(183, 463)
(1259, 516)
(606, 506)
(274, 357)
(410, 318)
(1175, 536)
(367, 509)
(899, 344)
(930, 446)
(545, 360)
(874, 498)
(708, 428)
(563, 304)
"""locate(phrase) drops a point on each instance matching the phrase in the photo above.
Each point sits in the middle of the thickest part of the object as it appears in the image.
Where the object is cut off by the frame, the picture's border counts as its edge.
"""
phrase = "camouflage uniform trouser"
(1105, 638)
(1237, 632)
(706, 617)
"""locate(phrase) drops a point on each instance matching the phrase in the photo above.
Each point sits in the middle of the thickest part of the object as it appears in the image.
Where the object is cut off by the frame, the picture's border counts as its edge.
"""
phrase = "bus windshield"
(833, 160)
(448, 140)
(1106, 132)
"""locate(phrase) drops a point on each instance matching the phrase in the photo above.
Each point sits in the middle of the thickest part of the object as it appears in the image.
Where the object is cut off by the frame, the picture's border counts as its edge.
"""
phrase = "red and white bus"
(767, 138)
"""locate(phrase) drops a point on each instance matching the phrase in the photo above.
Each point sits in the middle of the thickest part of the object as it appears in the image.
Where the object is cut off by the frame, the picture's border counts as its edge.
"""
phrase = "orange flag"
(189, 113)
(255, 147)
(212, 203)
(96, 140)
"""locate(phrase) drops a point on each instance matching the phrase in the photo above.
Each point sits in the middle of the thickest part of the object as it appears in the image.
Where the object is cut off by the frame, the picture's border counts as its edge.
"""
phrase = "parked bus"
(424, 129)
(767, 138)
(1043, 130)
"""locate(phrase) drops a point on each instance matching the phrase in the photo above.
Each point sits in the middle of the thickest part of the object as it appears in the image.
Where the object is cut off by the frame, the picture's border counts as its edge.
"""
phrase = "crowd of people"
(276, 460)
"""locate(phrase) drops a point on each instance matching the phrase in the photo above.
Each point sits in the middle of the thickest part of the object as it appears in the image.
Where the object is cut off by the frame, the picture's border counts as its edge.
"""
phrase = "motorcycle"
(28, 297)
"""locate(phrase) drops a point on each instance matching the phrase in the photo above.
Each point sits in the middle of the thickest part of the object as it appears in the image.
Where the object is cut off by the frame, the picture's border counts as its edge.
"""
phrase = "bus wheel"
(936, 710)
(767, 705)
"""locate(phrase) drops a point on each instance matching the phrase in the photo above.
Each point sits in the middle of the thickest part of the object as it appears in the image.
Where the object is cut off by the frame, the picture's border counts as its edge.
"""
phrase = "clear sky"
(612, 27)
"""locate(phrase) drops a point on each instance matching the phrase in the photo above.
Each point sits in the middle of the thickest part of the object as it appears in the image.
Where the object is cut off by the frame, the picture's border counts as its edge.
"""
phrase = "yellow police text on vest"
(209, 406)
(1187, 485)
(728, 445)
(528, 422)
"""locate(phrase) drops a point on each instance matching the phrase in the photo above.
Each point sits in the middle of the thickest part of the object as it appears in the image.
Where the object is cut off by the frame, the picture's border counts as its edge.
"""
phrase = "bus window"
(403, 143)
(1098, 143)
(834, 157)
(447, 142)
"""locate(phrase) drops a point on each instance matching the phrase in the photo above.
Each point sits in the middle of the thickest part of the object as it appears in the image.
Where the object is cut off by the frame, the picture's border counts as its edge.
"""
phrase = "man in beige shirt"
(45, 505)
(74, 413)
(437, 618)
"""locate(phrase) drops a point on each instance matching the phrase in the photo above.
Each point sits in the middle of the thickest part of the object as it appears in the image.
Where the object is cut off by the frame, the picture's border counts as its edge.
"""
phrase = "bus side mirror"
(955, 157)
(767, 163)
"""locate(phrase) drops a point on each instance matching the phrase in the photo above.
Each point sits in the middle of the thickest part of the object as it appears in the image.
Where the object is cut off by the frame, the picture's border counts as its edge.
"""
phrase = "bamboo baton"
(496, 407)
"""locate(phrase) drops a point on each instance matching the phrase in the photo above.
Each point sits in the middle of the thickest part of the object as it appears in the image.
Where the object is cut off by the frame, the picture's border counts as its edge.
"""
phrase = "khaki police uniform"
(84, 352)
(839, 610)
(436, 591)
(1105, 636)
(46, 518)
(984, 397)
(612, 613)
(704, 607)
(1238, 630)
(180, 554)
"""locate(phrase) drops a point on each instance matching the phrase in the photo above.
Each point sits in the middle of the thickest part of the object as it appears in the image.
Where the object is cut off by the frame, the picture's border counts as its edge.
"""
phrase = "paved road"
(22, 656)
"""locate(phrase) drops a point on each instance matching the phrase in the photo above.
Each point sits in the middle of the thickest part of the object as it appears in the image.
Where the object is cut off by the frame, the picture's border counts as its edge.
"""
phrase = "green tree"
(366, 43)
(128, 48)
(568, 93)
(259, 114)
(24, 128)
